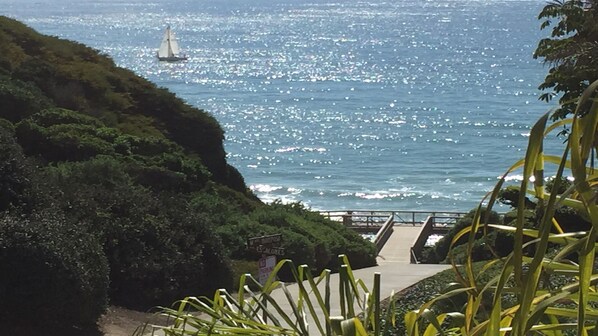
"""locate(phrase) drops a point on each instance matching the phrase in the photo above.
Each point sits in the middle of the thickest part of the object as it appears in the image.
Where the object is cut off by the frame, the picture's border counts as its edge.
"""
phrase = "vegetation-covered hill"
(114, 190)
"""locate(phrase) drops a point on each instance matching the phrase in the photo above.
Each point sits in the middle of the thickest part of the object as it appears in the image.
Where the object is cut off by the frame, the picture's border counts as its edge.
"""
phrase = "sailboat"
(169, 48)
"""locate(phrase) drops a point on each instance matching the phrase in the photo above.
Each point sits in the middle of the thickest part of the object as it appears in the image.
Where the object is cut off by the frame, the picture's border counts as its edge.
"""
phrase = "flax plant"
(570, 308)
(277, 308)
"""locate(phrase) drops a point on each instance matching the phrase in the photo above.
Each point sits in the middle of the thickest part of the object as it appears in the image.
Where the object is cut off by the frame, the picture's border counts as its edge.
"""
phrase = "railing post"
(348, 219)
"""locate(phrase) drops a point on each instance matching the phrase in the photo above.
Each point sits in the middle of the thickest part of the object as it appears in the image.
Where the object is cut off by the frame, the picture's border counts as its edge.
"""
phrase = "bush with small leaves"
(53, 276)
(14, 171)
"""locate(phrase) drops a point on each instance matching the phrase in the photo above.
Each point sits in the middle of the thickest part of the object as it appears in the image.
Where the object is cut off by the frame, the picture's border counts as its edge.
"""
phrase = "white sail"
(174, 45)
(169, 48)
(165, 51)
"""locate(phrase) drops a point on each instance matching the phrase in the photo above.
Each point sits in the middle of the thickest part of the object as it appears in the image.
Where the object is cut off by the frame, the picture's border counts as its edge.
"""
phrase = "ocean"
(338, 104)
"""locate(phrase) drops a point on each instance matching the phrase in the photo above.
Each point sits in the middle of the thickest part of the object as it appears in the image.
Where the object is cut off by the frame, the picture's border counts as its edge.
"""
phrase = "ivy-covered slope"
(114, 190)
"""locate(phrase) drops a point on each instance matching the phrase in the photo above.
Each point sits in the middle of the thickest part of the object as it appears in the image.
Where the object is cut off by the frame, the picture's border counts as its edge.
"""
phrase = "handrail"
(425, 232)
(389, 211)
(361, 211)
(413, 217)
(422, 237)
(384, 233)
(413, 257)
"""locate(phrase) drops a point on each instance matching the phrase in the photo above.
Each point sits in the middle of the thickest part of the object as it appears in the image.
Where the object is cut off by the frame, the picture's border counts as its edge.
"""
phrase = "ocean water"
(339, 104)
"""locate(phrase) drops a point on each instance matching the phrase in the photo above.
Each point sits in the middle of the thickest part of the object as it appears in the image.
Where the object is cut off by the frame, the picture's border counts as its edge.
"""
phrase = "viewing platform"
(398, 235)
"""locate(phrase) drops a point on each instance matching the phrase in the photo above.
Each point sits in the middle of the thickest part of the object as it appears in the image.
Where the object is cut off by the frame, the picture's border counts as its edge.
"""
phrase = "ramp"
(398, 246)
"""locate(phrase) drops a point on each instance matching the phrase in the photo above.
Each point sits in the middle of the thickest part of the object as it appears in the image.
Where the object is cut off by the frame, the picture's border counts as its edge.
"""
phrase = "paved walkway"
(393, 264)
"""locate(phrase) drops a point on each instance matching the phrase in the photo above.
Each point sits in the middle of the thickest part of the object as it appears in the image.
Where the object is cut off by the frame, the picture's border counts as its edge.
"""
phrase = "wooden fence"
(378, 217)
(432, 225)
(384, 233)
(381, 222)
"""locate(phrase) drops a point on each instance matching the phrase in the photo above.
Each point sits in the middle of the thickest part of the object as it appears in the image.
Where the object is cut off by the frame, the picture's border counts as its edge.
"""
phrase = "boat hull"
(172, 58)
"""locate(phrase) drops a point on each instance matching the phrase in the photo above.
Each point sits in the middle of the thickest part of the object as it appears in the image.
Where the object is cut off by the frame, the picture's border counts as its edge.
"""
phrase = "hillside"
(115, 190)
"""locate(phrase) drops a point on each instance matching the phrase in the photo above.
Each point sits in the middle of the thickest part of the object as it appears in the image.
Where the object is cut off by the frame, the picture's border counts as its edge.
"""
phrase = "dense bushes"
(19, 100)
(439, 252)
(329, 238)
(163, 242)
(568, 219)
(158, 248)
(53, 276)
(14, 171)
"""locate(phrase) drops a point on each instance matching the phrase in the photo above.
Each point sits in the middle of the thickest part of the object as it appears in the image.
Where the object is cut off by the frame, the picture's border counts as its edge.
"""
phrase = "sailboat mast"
(169, 37)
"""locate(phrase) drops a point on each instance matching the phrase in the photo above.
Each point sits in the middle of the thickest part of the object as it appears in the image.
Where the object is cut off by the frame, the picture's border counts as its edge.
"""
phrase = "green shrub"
(53, 276)
(235, 180)
(240, 267)
(57, 116)
(14, 172)
(510, 195)
(157, 247)
(62, 142)
(148, 145)
(326, 238)
(158, 178)
(564, 184)
(196, 174)
(570, 220)
(19, 99)
(441, 248)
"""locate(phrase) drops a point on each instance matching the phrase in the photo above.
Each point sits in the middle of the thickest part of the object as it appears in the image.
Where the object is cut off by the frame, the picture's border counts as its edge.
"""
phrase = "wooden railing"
(384, 233)
(422, 238)
(432, 225)
(378, 217)
(381, 222)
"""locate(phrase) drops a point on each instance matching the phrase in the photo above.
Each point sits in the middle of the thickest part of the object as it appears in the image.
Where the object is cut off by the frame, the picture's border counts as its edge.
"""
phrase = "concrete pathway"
(393, 264)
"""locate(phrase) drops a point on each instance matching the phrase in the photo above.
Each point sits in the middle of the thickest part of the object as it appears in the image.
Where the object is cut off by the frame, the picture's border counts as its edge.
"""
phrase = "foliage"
(19, 99)
(563, 185)
(327, 237)
(301, 311)
(307, 237)
(157, 247)
(53, 276)
(413, 297)
(240, 267)
(441, 249)
(14, 172)
(569, 219)
(539, 254)
(510, 196)
(571, 51)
